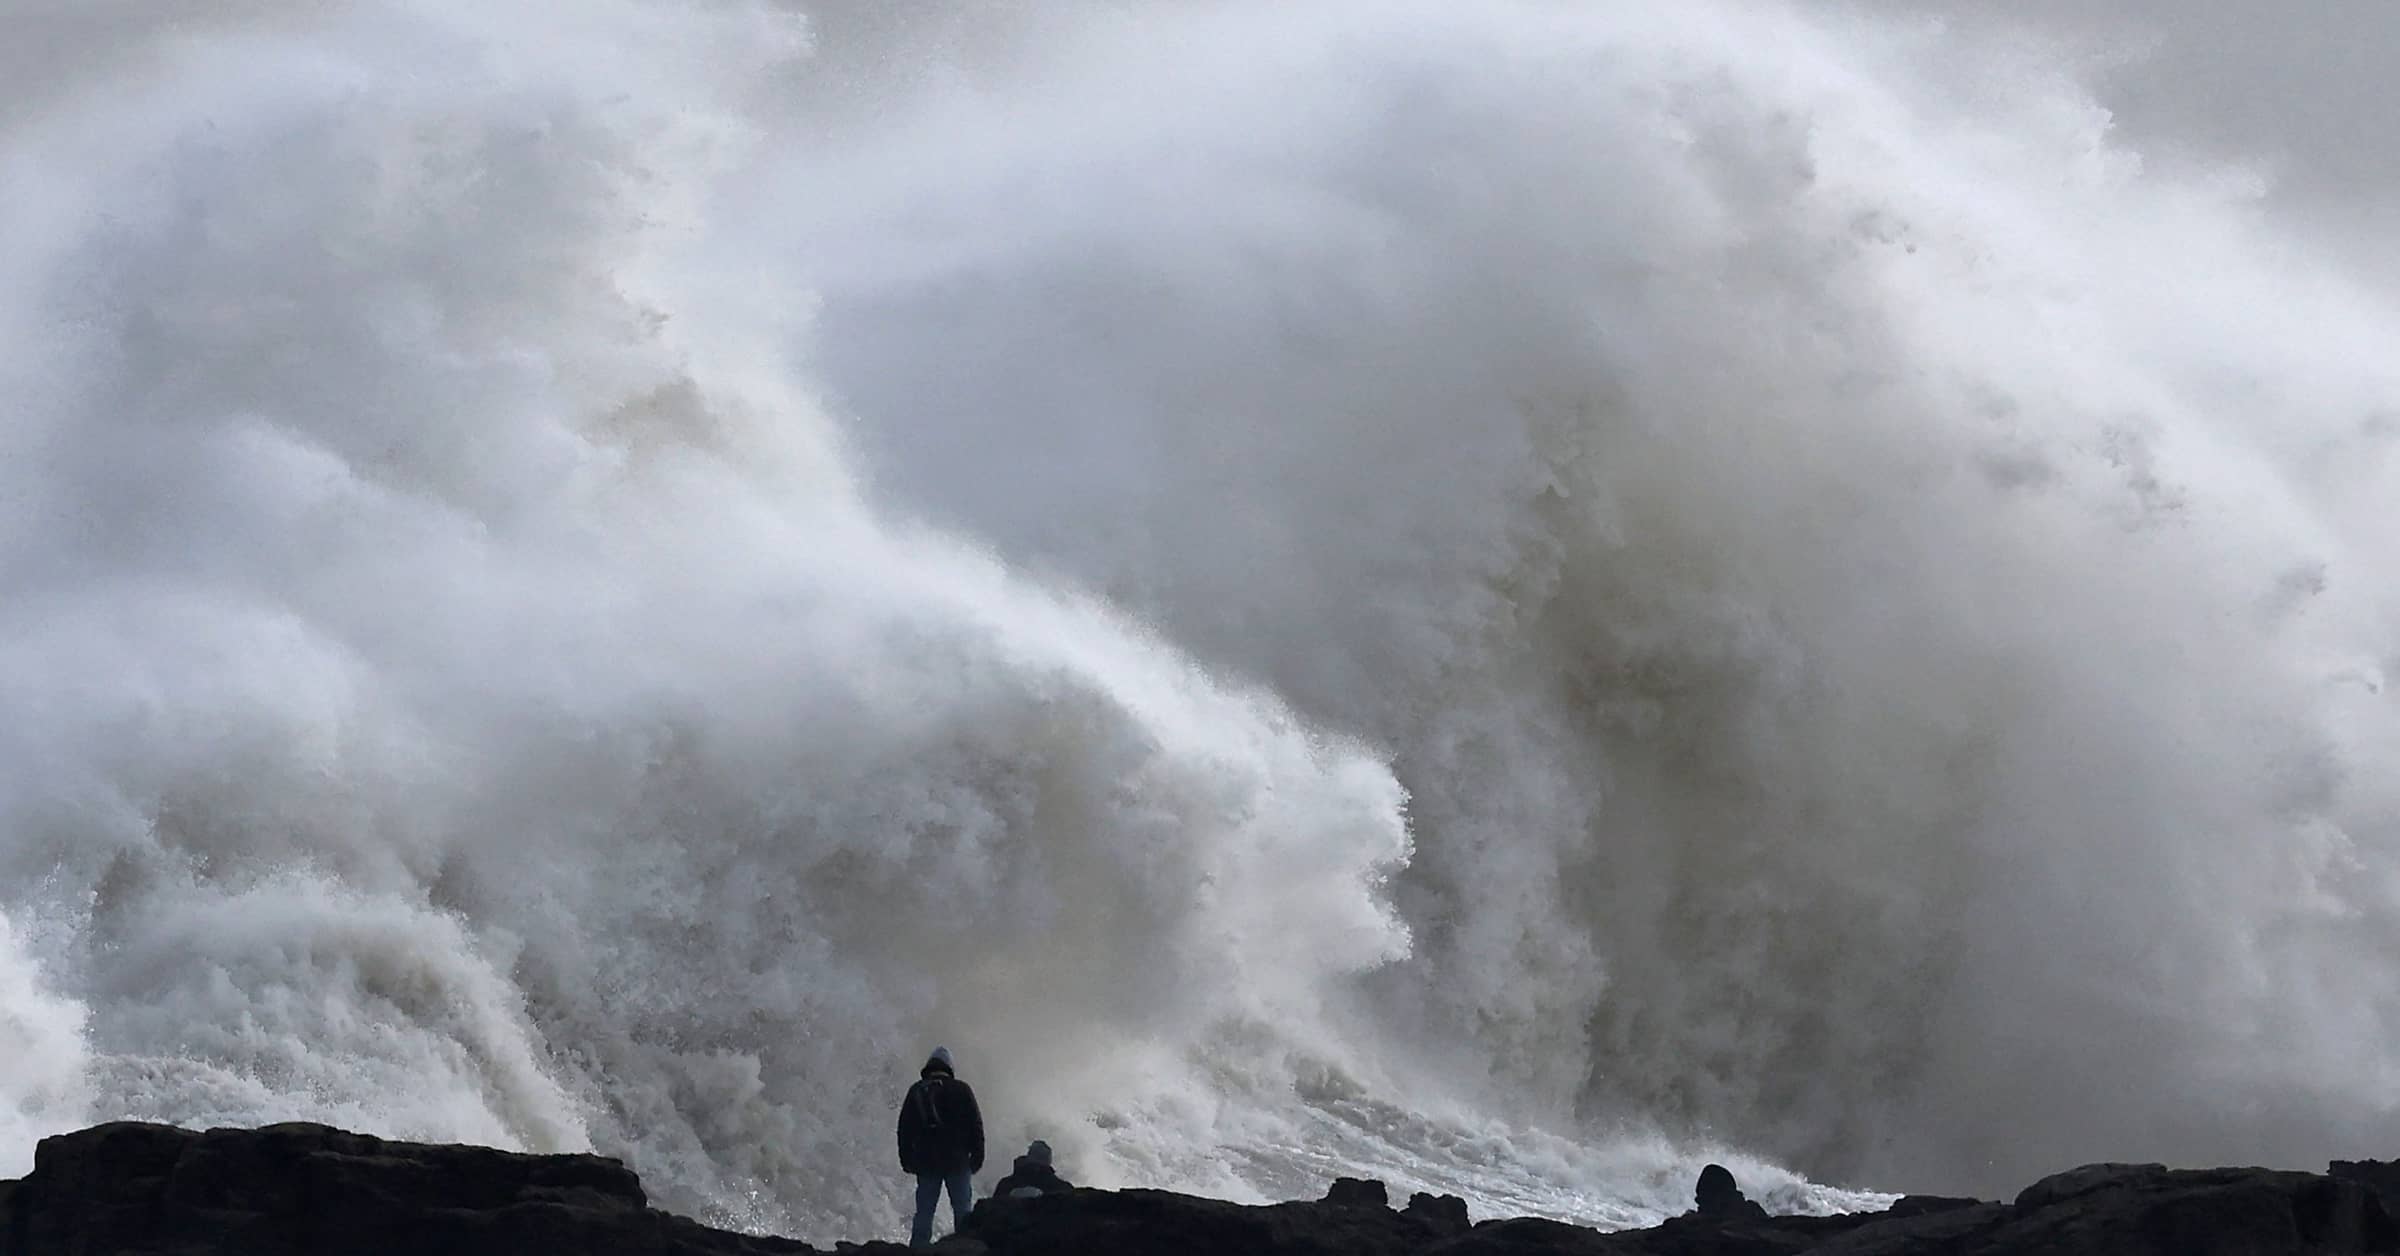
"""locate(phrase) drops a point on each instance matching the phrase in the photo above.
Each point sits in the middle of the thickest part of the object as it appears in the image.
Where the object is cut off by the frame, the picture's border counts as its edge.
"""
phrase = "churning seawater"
(1510, 596)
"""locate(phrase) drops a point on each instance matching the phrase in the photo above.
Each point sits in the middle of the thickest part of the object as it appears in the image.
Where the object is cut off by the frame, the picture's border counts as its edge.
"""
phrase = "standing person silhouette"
(941, 1142)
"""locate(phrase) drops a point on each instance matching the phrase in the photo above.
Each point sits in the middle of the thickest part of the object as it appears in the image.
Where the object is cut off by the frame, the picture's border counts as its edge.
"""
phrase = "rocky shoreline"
(129, 1189)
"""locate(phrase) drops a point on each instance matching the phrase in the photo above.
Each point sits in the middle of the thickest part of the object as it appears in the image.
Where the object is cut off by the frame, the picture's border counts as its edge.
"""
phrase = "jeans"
(929, 1192)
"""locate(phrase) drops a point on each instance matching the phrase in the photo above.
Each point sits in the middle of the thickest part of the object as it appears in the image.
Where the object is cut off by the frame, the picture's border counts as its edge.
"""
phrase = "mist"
(1511, 598)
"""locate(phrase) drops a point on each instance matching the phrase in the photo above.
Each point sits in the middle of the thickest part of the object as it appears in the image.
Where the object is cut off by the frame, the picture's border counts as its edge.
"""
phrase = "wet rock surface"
(153, 1190)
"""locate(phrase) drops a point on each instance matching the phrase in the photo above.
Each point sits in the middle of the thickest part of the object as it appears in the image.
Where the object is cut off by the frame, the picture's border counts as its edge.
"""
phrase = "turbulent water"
(1511, 596)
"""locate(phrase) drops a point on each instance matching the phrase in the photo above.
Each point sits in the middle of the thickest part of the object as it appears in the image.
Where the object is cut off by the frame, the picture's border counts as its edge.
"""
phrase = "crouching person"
(1032, 1175)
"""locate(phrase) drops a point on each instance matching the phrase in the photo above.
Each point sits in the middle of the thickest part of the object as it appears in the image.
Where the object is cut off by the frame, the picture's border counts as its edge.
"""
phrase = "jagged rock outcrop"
(1358, 1193)
(131, 1189)
(2379, 1176)
(151, 1190)
(1442, 1214)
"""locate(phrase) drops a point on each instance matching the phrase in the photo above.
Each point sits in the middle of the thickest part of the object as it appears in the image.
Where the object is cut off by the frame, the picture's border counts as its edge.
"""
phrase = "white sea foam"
(1513, 597)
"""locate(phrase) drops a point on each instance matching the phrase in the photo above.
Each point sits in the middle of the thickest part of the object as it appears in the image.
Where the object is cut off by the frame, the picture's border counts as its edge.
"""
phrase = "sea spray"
(1510, 598)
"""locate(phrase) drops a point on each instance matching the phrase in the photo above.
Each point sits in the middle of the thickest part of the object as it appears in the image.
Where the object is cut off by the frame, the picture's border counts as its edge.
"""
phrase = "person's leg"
(929, 1193)
(962, 1199)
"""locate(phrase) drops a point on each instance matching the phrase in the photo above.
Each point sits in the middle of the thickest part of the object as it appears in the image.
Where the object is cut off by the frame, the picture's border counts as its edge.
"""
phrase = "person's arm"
(906, 1134)
(974, 1122)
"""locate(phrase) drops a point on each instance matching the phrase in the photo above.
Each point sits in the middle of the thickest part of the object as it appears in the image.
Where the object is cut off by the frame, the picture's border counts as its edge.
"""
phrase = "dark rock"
(136, 1190)
(1158, 1223)
(2148, 1210)
(2379, 1176)
(1919, 1205)
(1442, 1214)
(1915, 1234)
(2202, 1212)
(151, 1190)
(1527, 1236)
(2060, 1187)
(1719, 1197)
(1748, 1234)
(1357, 1193)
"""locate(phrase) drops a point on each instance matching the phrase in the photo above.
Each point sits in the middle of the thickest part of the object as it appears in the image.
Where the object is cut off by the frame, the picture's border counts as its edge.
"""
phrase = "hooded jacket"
(941, 1128)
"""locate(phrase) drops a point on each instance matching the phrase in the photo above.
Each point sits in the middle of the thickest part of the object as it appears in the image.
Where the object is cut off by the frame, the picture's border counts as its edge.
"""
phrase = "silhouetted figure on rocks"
(1032, 1175)
(1718, 1198)
(941, 1142)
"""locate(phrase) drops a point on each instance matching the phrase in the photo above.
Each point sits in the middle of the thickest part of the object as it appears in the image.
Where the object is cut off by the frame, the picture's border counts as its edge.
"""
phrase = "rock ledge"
(131, 1189)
